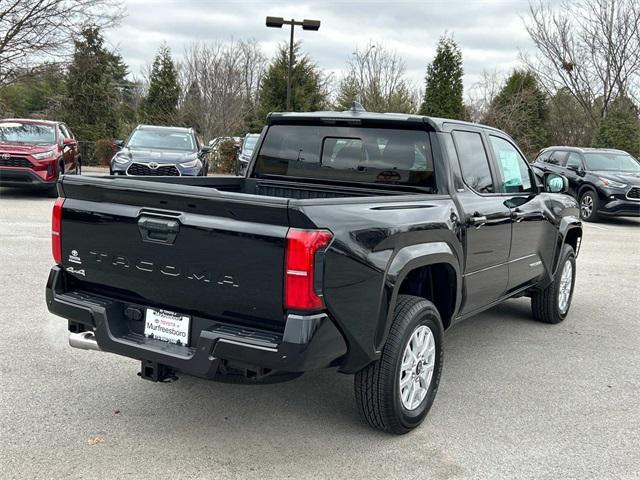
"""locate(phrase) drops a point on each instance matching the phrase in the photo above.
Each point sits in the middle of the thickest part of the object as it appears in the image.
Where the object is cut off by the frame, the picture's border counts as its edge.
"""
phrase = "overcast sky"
(489, 32)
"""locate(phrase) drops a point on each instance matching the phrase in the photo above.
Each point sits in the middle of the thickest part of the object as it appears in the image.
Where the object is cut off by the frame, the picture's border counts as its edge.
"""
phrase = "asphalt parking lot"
(518, 399)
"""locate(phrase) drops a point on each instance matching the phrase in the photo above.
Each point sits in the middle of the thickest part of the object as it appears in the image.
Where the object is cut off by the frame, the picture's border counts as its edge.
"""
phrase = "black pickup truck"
(354, 241)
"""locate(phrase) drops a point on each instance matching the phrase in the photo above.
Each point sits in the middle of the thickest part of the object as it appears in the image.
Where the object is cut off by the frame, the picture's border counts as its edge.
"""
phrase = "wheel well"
(586, 188)
(572, 238)
(436, 283)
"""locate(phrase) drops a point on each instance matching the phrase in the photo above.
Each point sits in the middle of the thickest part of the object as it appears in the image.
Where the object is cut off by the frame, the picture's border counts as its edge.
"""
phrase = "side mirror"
(69, 142)
(573, 168)
(205, 149)
(554, 183)
(118, 143)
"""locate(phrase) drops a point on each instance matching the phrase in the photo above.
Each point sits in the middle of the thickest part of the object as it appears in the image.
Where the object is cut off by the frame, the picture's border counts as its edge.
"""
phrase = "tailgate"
(188, 249)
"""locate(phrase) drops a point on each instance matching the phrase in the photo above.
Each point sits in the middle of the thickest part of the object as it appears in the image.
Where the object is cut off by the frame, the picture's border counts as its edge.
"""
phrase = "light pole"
(278, 22)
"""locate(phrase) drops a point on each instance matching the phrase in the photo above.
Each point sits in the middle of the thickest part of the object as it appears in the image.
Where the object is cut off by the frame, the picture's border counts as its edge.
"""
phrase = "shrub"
(226, 157)
(104, 152)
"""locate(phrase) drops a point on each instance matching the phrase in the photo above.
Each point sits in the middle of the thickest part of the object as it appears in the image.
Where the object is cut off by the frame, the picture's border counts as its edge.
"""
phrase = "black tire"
(589, 200)
(53, 190)
(377, 387)
(545, 303)
(78, 167)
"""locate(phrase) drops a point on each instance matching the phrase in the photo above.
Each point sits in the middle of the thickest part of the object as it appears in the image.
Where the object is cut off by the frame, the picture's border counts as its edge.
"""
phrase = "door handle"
(477, 220)
(517, 215)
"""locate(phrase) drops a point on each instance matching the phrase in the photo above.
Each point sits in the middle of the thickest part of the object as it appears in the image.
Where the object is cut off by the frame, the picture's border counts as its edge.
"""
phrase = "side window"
(473, 161)
(515, 173)
(543, 157)
(65, 131)
(556, 157)
(573, 160)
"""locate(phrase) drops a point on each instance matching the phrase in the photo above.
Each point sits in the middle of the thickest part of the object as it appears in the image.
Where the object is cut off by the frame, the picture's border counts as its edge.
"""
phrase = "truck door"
(487, 224)
(530, 227)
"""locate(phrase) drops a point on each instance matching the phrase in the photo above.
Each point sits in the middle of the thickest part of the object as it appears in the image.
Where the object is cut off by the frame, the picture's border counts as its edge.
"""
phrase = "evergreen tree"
(620, 128)
(161, 103)
(39, 93)
(521, 110)
(443, 92)
(348, 92)
(96, 88)
(307, 84)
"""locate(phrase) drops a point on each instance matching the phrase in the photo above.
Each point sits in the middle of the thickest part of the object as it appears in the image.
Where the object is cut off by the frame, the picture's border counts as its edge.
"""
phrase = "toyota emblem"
(6, 156)
(153, 165)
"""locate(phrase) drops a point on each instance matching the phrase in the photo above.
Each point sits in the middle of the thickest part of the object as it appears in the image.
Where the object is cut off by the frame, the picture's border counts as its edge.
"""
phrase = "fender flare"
(400, 265)
(567, 224)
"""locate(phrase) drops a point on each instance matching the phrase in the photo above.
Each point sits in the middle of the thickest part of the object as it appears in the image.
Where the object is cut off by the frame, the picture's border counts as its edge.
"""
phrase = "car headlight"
(40, 156)
(121, 158)
(612, 183)
(190, 164)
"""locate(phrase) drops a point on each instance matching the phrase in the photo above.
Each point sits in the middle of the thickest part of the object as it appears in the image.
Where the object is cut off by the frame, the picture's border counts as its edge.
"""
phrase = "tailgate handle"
(158, 230)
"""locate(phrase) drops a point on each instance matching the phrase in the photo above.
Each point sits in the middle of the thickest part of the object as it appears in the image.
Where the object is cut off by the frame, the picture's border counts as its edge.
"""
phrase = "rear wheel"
(395, 393)
(589, 206)
(552, 304)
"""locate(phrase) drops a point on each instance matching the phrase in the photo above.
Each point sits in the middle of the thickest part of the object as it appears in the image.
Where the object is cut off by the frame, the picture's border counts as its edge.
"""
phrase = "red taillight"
(299, 288)
(56, 217)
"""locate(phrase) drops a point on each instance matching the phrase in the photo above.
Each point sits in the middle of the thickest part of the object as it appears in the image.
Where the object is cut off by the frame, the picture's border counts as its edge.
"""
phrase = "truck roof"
(354, 114)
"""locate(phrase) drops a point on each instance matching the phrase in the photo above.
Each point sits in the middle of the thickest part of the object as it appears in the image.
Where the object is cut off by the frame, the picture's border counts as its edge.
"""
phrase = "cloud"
(490, 33)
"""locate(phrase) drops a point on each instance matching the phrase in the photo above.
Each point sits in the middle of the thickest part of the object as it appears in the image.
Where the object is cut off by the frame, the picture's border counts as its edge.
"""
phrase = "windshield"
(250, 142)
(162, 139)
(612, 161)
(350, 154)
(31, 133)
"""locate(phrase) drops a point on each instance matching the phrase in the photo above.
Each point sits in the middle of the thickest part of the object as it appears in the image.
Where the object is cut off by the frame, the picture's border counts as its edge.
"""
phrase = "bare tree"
(376, 79)
(481, 94)
(41, 29)
(590, 48)
(220, 82)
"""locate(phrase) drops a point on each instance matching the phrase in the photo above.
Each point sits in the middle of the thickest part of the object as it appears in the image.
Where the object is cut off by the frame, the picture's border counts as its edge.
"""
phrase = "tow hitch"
(156, 372)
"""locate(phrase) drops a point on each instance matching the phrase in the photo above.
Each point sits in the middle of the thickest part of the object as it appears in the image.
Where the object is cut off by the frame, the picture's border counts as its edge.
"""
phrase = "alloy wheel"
(566, 284)
(586, 206)
(416, 369)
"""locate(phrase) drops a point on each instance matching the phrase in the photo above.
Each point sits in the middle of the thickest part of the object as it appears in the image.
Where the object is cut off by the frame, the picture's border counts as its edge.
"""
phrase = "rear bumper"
(23, 177)
(307, 343)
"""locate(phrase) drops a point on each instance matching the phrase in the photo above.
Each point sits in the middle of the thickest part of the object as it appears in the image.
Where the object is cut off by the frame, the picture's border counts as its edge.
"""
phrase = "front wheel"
(551, 305)
(395, 393)
(589, 206)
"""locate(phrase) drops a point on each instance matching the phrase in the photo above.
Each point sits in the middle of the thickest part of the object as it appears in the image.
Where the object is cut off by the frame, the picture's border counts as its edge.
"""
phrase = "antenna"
(357, 107)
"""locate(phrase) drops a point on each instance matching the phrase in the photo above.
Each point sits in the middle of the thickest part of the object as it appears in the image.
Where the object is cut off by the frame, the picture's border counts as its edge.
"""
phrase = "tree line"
(580, 88)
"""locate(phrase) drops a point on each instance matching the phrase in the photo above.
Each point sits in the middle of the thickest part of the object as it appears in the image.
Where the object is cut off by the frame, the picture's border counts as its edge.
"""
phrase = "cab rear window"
(351, 154)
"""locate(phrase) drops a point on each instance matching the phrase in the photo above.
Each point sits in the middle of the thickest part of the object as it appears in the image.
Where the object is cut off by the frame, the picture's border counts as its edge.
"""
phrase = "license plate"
(167, 326)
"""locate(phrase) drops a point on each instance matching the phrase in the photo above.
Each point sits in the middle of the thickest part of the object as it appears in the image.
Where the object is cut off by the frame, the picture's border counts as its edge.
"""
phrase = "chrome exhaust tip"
(83, 340)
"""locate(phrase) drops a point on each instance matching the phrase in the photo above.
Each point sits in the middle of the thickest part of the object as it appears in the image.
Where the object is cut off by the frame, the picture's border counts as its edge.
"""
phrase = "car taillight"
(300, 289)
(56, 217)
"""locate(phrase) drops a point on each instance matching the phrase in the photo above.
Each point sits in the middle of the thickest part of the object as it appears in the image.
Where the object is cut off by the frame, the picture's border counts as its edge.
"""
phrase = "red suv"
(35, 153)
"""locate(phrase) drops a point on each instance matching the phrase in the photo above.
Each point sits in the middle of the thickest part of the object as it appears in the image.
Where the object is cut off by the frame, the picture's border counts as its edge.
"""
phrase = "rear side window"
(556, 158)
(351, 154)
(473, 161)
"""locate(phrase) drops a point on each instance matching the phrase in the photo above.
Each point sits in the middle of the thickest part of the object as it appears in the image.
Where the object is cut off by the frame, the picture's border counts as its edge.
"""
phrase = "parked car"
(246, 150)
(34, 153)
(161, 151)
(605, 181)
(331, 252)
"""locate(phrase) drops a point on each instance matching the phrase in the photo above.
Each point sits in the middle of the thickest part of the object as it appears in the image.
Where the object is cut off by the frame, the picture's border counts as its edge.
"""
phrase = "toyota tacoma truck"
(353, 242)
